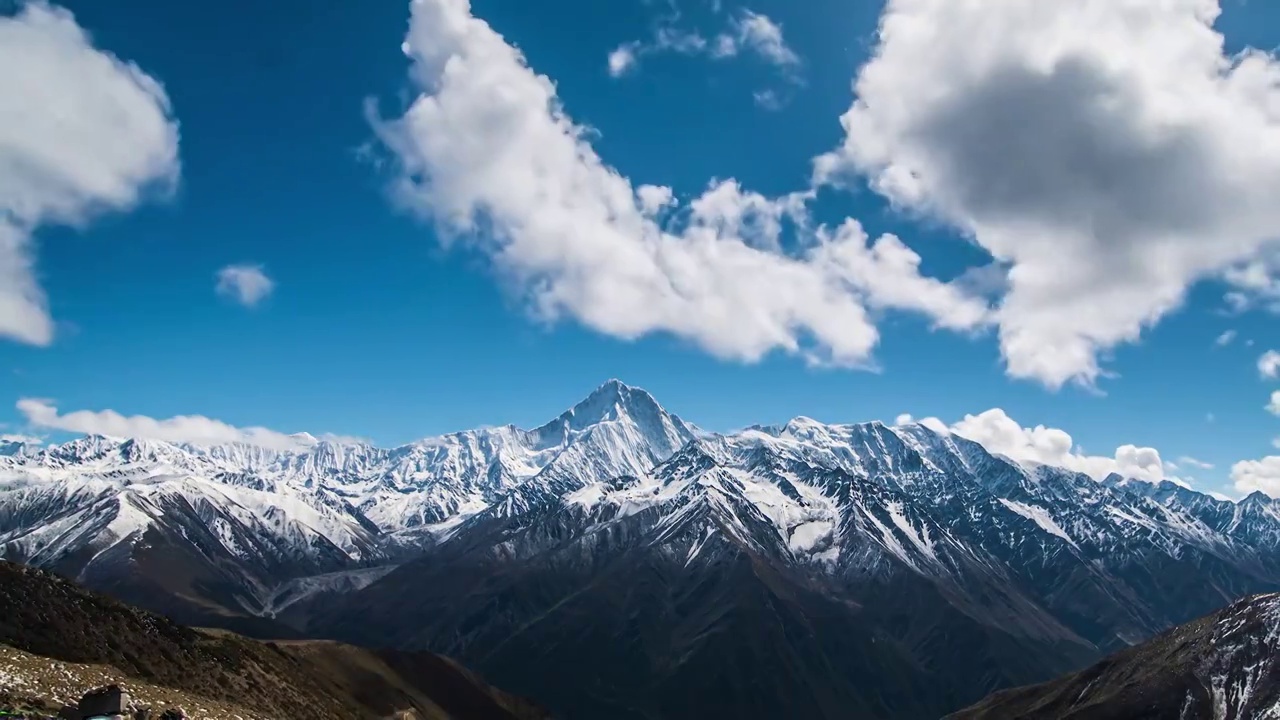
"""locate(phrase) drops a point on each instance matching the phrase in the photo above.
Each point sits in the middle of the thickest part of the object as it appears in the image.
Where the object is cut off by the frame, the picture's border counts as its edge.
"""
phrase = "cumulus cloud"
(654, 198)
(1108, 151)
(189, 429)
(1261, 475)
(245, 284)
(1269, 365)
(888, 274)
(1255, 283)
(748, 33)
(1225, 338)
(1258, 476)
(488, 153)
(1041, 445)
(81, 132)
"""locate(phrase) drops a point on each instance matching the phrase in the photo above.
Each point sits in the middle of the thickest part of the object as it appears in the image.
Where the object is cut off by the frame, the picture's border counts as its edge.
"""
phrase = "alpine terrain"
(620, 562)
(1224, 666)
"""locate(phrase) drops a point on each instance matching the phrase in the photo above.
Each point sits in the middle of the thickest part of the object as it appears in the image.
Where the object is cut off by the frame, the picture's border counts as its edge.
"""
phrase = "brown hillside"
(48, 615)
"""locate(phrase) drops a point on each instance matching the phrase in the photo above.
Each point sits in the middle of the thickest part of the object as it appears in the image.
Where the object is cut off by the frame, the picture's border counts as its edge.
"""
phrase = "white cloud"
(80, 132)
(190, 429)
(666, 39)
(654, 198)
(1269, 365)
(246, 284)
(888, 274)
(1107, 150)
(1188, 460)
(1274, 406)
(903, 419)
(488, 153)
(1256, 282)
(748, 33)
(1041, 445)
(1257, 475)
(1225, 338)
(22, 439)
(622, 60)
(935, 425)
(756, 33)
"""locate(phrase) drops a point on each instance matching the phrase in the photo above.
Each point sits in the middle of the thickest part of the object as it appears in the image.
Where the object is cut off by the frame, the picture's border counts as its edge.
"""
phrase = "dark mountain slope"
(689, 613)
(50, 616)
(1225, 666)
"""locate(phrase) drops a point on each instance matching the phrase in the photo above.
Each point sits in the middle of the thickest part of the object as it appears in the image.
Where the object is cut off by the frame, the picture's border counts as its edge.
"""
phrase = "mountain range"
(619, 561)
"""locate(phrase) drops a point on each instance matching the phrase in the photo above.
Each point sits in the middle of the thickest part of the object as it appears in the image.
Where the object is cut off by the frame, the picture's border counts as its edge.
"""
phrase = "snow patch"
(806, 535)
(1040, 517)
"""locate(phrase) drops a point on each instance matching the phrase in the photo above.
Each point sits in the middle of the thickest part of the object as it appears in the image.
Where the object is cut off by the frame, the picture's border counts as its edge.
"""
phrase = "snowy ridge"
(324, 507)
(850, 501)
(1224, 666)
(1244, 660)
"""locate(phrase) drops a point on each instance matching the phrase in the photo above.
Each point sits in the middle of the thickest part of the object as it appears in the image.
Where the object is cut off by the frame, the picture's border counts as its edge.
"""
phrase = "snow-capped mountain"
(944, 571)
(1225, 666)
(251, 518)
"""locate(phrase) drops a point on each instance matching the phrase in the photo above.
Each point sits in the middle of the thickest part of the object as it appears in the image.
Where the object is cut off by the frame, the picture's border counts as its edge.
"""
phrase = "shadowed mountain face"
(52, 617)
(1225, 666)
(686, 621)
(898, 571)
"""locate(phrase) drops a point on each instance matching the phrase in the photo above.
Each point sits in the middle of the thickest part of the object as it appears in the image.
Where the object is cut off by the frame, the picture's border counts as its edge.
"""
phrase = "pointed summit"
(12, 446)
(617, 429)
(1114, 480)
(614, 400)
(1256, 498)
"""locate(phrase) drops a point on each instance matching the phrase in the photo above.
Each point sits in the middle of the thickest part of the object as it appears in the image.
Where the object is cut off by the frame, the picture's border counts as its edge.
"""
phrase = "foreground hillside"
(1225, 666)
(58, 640)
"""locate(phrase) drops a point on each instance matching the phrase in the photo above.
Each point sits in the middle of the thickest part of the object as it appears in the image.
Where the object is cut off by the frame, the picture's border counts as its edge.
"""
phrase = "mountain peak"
(11, 446)
(1257, 497)
(613, 400)
(91, 446)
(1114, 480)
(620, 422)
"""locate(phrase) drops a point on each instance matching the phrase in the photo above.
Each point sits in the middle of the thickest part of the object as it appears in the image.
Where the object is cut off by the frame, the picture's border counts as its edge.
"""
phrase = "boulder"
(104, 701)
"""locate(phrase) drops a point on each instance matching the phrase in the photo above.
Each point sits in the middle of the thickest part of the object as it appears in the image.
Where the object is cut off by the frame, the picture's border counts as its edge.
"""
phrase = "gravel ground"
(30, 682)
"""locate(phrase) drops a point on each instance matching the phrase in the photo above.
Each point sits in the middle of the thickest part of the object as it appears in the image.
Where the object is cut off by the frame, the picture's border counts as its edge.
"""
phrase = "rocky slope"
(1225, 666)
(57, 640)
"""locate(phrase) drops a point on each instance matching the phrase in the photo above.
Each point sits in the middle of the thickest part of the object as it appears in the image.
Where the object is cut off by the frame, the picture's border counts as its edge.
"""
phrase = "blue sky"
(373, 328)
